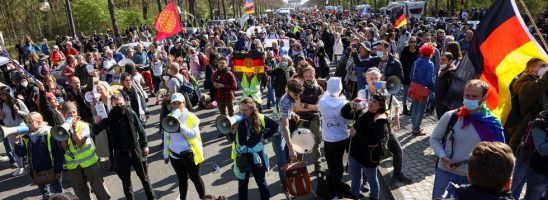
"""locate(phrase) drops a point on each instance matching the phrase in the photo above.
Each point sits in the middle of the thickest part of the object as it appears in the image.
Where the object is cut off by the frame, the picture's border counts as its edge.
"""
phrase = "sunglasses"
(412, 41)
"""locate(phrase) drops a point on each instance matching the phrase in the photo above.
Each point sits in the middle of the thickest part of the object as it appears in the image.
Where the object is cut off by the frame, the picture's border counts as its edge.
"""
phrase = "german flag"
(249, 8)
(248, 62)
(401, 21)
(499, 51)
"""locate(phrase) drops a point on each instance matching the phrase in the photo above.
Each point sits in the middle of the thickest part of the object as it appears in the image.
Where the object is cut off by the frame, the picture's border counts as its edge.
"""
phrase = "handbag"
(44, 177)
(417, 91)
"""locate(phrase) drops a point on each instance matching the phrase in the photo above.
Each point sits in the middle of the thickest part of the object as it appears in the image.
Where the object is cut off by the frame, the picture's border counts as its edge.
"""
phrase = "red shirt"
(229, 81)
(57, 57)
(72, 51)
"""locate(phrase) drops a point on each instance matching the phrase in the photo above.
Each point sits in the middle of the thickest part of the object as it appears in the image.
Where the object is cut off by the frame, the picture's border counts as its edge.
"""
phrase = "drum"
(303, 140)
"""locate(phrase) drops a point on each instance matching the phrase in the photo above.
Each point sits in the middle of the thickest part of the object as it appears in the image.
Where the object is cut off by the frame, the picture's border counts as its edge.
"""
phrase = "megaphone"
(5, 131)
(224, 123)
(392, 85)
(61, 132)
(171, 123)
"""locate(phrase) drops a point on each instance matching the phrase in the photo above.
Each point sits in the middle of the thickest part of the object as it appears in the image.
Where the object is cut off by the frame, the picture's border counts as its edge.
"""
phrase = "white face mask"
(542, 71)
(24, 83)
(165, 78)
(443, 66)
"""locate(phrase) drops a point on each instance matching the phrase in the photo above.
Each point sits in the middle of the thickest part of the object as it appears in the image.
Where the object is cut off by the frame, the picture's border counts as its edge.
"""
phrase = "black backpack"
(447, 136)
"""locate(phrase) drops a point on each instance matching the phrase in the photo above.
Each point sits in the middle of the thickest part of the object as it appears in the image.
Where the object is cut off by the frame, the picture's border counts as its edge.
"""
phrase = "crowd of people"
(101, 98)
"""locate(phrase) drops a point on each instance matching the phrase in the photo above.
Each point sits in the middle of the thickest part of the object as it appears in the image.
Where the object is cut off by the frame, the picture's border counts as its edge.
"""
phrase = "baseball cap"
(177, 97)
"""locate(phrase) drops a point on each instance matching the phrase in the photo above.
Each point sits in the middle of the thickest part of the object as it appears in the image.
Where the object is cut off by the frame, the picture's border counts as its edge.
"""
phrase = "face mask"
(443, 66)
(24, 83)
(471, 104)
(165, 78)
(542, 71)
(95, 79)
(380, 54)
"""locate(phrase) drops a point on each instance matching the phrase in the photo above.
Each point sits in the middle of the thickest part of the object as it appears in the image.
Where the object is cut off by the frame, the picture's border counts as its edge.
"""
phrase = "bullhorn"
(61, 132)
(6, 131)
(224, 123)
(171, 123)
(392, 85)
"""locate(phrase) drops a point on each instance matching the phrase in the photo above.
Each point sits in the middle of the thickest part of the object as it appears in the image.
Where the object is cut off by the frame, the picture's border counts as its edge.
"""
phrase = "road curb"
(387, 184)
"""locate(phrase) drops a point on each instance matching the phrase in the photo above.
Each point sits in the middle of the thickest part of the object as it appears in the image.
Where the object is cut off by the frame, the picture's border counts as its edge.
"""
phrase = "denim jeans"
(49, 189)
(519, 177)
(11, 154)
(156, 80)
(404, 95)
(278, 145)
(537, 184)
(258, 172)
(271, 99)
(417, 113)
(442, 179)
(356, 175)
(8, 149)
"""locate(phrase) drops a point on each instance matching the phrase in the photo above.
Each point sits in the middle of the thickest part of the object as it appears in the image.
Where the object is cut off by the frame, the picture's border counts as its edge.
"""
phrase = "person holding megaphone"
(248, 150)
(183, 145)
(44, 154)
(80, 158)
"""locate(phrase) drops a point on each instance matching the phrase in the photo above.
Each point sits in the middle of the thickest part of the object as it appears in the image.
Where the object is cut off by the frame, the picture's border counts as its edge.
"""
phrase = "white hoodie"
(334, 126)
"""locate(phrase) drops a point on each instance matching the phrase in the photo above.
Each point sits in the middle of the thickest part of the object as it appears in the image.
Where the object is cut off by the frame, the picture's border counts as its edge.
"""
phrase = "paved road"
(217, 152)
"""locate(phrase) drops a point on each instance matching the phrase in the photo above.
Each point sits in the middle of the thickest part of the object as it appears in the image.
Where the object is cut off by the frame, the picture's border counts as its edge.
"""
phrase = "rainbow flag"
(499, 51)
(401, 21)
(248, 7)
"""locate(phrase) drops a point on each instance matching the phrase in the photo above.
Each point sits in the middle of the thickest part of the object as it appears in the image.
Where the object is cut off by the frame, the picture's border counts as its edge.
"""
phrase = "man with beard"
(225, 83)
(129, 143)
(307, 110)
(76, 93)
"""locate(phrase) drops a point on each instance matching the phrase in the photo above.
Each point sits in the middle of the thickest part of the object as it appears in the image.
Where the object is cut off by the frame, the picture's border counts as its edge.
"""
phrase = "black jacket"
(127, 131)
(469, 192)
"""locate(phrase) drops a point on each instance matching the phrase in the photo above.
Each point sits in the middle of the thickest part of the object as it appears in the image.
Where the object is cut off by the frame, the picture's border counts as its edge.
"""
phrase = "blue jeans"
(417, 113)
(404, 95)
(442, 179)
(49, 189)
(258, 172)
(519, 177)
(537, 184)
(356, 174)
(156, 80)
(271, 99)
(278, 145)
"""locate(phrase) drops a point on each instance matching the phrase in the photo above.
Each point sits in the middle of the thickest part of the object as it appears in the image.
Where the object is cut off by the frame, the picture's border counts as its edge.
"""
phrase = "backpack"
(204, 61)
(186, 86)
(297, 179)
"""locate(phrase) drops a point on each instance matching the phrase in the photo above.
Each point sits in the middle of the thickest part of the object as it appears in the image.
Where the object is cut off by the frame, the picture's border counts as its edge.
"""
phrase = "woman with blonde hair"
(100, 107)
(247, 145)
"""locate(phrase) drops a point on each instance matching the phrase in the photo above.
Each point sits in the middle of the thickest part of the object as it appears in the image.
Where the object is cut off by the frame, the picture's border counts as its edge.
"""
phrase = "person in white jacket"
(337, 47)
(335, 130)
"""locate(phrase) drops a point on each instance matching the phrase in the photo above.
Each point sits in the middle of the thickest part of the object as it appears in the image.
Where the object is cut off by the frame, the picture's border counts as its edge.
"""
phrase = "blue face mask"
(471, 104)
(380, 54)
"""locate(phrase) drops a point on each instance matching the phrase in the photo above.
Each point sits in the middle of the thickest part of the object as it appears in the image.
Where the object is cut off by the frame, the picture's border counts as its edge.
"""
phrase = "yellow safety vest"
(195, 143)
(236, 146)
(253, 90)
(84, 156)
(48, 137)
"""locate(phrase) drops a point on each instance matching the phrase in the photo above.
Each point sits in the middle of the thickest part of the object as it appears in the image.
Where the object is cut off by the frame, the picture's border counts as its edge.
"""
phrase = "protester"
(538, 176)
(13, 114)
(184, 148)
(447, 71)
(422, 73)
(254, 128)
(225, 83)
(409, 54)
(457, 126)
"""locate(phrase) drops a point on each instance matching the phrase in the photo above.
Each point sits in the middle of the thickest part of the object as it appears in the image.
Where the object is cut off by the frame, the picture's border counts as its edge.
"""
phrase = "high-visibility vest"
(195, 143)
(252, 90)
(84, 156)
(48, 138)
(236, 144)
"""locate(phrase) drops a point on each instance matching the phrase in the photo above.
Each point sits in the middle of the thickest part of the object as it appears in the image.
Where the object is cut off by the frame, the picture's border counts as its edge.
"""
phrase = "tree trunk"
(224, 9)
(192, 10)
(114, 21)
(159, 2)
(144, 5)
(436, 4)
(210, 8)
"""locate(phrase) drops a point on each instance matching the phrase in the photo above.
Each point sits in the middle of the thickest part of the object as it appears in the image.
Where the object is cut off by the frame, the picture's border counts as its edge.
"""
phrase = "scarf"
(486, 124)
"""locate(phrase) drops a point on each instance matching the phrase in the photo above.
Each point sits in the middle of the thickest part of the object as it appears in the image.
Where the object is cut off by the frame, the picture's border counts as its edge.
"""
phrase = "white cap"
(334, 86)
(177, 97)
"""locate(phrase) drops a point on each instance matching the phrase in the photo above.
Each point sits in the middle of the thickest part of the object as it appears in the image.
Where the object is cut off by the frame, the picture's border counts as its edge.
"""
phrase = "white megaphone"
(392, 85)
(61, 132)
(171, 123)
(5, 131)
(224, 123)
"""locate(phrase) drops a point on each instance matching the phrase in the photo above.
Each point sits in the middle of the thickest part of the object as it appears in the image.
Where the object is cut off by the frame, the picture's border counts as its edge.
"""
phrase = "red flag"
(167, 23)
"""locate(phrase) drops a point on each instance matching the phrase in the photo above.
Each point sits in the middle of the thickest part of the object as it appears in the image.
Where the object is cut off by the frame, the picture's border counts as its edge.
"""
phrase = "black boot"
(399, 176)
(406, 111)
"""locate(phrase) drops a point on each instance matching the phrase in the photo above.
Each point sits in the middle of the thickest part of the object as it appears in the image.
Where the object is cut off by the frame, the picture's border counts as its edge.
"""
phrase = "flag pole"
(534, 25)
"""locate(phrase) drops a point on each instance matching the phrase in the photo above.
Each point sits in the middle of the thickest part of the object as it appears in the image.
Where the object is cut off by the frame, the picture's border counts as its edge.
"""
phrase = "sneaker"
(14, 166)
(4, 158)
(402, 178)
(365, 187)
(18, 172)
